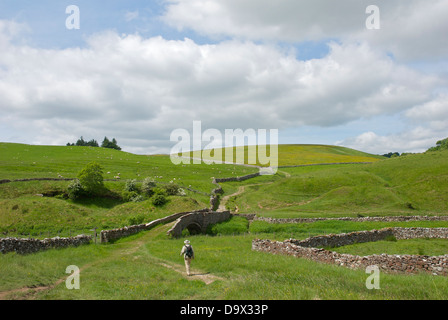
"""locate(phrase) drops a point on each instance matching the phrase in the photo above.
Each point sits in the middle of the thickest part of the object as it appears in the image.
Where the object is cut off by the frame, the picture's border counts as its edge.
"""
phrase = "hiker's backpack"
(189, 252)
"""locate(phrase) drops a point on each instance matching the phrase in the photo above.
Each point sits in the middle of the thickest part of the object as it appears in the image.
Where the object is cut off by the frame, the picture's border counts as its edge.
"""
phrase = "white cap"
(187, 241)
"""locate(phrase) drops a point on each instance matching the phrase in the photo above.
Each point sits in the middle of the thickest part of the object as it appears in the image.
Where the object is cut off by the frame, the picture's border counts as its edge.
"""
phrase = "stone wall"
(35, 179)
(360, 219)
(25, 246)
(114, 234)
(249, 176)
(201, 220)
(323, 164)
(311, 249)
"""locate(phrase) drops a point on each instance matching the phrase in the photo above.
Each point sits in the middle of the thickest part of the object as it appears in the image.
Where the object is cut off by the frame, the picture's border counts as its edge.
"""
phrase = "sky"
(138, 70)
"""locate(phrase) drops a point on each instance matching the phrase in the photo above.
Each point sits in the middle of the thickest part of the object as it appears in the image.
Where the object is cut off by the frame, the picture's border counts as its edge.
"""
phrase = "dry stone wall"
(360, 219)
(312, 249)
(25, 246)
(35, 179)
(249, 176)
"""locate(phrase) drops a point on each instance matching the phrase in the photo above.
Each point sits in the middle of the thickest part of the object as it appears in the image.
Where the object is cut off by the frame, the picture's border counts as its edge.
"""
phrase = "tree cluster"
(82, 143)
(391, 155)
(93, 143)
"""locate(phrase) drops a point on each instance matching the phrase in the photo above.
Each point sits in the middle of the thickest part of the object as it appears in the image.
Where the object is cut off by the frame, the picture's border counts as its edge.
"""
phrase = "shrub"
(181, 192)
(75, 190)
(159, 200)
(160, 191)
(131, 185)
(148, 185)
(172, 189)
(136, 220)
(138, 198)
(91, 178)
(129, 195)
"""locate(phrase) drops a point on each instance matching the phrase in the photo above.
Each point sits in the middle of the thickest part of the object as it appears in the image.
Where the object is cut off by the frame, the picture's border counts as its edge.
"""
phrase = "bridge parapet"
(198, 222)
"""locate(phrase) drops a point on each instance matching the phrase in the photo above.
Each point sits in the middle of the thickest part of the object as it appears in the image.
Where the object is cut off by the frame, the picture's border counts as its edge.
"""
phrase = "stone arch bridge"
(198, 222)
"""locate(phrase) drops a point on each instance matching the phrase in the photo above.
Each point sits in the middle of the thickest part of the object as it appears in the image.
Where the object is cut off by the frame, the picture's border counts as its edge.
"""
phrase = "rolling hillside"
(148, 266)
(22, 211)
(298, 154)
(410, 185)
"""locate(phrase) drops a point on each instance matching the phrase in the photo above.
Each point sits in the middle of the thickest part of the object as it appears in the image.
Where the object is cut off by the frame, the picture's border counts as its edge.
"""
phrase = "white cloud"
(414, 29)
(434, 110)
(415, 140)
(427, 123)
(138, 89)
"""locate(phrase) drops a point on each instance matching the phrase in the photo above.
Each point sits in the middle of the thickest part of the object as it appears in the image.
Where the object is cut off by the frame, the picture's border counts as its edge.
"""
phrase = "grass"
(283, 231)
(410, 185)
(131, 269)
(23, 213)
(136, 267)
(28, 161)
(40, 217)
(292, 154)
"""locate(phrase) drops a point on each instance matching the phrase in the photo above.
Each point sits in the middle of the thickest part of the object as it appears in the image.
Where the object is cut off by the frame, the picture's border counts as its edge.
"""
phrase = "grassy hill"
(22, 212)
(414, 184)
(298, 154)
(148, 266)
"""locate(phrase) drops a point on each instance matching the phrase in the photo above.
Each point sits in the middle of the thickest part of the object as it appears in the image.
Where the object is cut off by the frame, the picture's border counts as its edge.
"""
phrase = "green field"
(24, 213)
(148, 266)
(291, 155)
(410, 185)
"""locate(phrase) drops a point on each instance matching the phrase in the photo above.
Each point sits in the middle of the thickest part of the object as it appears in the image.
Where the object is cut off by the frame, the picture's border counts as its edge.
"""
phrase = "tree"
(440, 145)
(80, 142)
(91, 178)
(105, 143)
(110, 144)
(92, 143)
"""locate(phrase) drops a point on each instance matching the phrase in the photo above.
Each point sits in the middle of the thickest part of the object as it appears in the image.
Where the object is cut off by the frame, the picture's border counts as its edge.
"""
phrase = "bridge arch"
(194, 228)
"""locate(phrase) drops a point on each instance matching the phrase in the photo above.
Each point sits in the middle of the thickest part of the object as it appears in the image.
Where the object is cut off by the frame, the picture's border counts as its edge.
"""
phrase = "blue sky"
(137, 70)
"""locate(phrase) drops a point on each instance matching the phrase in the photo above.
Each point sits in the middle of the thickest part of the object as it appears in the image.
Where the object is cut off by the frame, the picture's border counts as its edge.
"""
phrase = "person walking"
(187, 251)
